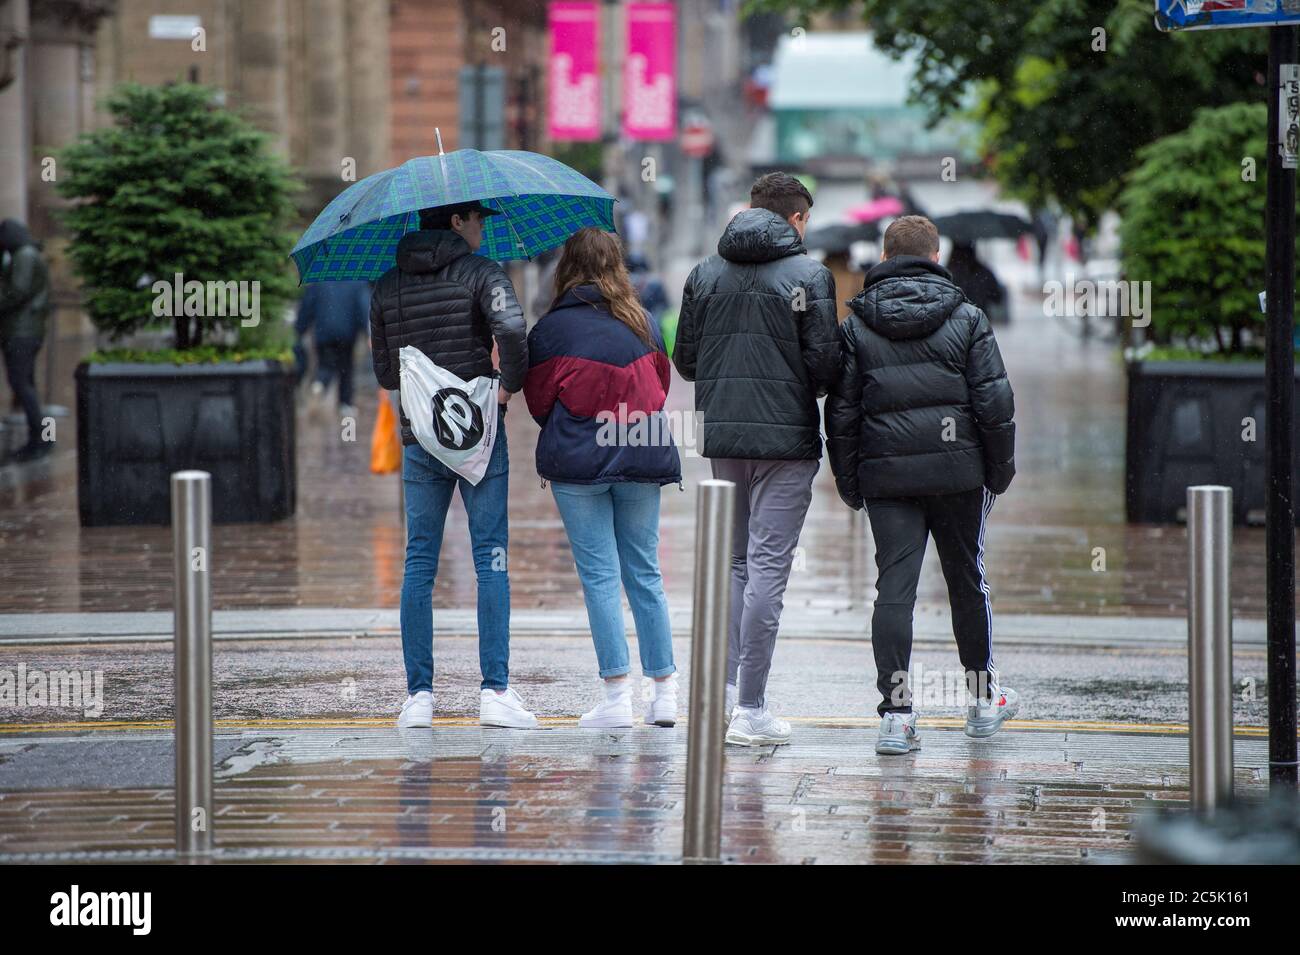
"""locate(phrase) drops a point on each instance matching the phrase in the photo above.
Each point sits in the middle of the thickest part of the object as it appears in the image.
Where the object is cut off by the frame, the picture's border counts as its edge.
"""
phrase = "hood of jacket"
(429, 250)
(759, 235)
(581, 295)
(14, 235)
(906, 297)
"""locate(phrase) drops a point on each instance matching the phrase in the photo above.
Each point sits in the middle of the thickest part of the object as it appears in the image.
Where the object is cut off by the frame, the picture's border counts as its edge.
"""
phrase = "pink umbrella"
(875, 209)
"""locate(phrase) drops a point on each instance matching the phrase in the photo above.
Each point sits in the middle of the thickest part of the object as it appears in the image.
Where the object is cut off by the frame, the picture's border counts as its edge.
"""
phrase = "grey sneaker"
(986, 718)
(757, 728)
(898, 735)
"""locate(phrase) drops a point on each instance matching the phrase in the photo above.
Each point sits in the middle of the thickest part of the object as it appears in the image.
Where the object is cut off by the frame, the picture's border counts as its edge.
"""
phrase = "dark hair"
(781, 193)
(594, 257)
(911, 235)
(439, 217)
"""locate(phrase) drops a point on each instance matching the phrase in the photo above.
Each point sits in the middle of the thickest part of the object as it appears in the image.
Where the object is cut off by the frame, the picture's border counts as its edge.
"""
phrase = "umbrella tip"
(438, 132)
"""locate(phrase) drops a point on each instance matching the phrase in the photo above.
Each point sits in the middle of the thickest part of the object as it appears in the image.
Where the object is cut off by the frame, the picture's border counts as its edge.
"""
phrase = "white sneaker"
(505, 710)
(732, 698)
(898, 734)
(614, 711)
(757, 728)
(662, 710)
(986, 718)
(417, 711)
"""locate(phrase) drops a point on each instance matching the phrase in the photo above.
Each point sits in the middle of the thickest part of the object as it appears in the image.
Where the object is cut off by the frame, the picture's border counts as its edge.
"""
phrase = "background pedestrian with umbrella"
(972, 276)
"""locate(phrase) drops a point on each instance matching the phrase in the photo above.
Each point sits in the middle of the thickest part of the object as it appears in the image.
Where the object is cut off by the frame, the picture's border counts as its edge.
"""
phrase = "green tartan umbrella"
(542, 202)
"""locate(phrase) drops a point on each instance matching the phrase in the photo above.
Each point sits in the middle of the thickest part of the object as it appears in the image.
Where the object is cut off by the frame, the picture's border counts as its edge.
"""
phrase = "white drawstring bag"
(454, 420)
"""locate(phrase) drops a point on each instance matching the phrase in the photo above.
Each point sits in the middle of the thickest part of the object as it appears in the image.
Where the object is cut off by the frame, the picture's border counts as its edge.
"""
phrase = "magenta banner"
(573, 94)
(650, 72)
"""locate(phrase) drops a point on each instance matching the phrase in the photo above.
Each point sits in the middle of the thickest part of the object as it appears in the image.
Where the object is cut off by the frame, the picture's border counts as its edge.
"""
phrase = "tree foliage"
(176, 185)
(1193, 226)
(1063, 108)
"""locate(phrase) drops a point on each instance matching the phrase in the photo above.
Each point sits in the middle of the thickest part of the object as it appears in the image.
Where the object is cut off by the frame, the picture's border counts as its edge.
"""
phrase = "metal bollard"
(192, 553)
(714, 520)
(1209, 648)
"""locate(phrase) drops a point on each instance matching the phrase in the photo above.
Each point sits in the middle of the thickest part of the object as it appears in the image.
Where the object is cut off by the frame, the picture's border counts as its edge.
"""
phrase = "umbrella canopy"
(542, 202)
(875, 209)
(838, 236)
(982, 224)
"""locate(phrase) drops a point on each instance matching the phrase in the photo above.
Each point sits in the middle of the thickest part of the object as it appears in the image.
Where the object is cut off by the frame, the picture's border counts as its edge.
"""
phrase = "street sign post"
(1279, 302)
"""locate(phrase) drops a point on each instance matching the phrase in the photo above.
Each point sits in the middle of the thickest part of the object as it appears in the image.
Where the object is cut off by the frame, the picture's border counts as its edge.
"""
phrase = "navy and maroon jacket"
(583, 365)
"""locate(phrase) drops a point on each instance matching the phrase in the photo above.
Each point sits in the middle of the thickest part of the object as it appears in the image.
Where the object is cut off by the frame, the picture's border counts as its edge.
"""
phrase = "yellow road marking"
(934, 722)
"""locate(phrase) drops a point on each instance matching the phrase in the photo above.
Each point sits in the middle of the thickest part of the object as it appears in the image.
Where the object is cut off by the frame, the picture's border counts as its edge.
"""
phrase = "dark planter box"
(137, 423)
(1184, 428)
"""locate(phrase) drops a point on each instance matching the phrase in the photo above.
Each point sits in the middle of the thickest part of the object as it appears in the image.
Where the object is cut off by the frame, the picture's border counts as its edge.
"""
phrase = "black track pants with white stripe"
(900, 527)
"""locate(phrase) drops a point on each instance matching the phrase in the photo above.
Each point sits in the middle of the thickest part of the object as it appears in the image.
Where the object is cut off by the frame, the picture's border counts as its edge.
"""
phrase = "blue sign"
(1222, 14)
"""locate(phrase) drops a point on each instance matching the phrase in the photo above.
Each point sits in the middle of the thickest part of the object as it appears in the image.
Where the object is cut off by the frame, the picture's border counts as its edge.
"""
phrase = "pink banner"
(650, 72)
(573, 96)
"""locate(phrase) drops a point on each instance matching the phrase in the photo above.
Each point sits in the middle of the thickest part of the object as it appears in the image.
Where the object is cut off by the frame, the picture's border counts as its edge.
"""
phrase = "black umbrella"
(838, 236)
(982, 224)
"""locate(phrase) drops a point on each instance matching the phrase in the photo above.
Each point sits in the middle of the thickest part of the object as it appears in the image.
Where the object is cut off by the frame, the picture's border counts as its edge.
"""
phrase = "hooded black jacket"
(922, 405)
(756, 333)
(450, 304)
(24, 285)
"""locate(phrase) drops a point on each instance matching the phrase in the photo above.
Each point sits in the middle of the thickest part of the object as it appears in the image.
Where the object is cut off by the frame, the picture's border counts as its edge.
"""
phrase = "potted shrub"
(179, 232)
(1193, 226)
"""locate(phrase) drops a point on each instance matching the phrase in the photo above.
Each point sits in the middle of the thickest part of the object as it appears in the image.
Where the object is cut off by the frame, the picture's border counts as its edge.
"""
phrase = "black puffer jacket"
(922, 405)
(450, 304)
(757, 334)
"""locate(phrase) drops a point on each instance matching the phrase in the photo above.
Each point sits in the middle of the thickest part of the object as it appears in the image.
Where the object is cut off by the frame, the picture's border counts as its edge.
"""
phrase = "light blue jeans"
(614, 534)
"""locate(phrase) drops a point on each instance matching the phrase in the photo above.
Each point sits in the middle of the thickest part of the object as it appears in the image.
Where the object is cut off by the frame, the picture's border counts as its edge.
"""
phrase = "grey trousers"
(772, 499)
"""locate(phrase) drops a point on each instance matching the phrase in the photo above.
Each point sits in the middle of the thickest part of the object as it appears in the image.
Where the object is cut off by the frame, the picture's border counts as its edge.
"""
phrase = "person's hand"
(503, 396)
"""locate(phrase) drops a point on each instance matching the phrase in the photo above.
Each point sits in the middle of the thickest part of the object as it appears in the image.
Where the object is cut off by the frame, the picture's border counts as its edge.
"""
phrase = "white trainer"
(662, 710)
(732, 698)
(757, 728)
(417, 711)
(898, 735)
(505, 710)
(986, 717)
(614, 711)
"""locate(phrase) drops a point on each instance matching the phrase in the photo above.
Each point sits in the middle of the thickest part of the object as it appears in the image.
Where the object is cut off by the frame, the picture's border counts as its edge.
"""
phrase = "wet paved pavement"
(811, 679)
(564, 794)
(344, 546)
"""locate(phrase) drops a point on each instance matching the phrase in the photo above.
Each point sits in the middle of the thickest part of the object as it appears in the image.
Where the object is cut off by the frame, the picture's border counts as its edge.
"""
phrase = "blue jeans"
(614, 533)
(429, 484)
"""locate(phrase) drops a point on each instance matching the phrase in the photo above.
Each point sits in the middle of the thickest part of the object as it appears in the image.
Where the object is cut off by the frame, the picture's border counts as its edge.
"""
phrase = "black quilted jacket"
(756, 333)
(450, 304)
(922, 405)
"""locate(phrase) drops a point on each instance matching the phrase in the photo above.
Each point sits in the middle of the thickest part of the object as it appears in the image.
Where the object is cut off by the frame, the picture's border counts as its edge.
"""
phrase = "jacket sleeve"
(687, 341)
(541, 386)
(819, 335)
(21, 286)
(497, 300)
(844, 419)
(992, 403)
(379, 357)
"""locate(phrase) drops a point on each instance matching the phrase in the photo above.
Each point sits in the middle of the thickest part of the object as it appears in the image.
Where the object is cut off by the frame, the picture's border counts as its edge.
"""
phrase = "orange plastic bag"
(385, 447)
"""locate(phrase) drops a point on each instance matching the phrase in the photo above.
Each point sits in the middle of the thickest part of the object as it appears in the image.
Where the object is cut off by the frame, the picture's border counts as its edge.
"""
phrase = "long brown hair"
(594, 257)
